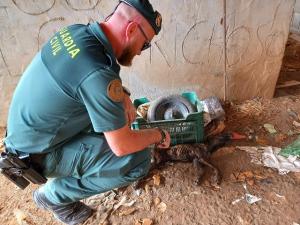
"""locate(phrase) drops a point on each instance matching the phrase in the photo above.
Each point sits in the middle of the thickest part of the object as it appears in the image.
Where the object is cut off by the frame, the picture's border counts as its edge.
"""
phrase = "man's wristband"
(163, 136)
(126, 91)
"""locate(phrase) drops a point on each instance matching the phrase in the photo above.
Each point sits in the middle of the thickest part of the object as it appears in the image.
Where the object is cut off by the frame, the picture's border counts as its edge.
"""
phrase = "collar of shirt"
(101, 37)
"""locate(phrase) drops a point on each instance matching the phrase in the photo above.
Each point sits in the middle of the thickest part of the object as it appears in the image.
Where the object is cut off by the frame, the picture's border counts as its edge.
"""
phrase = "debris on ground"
(248, 177)
(279, 196)
(237, 200)
(145, 221)
(162, 207)
(20, 217)
(269, 157)
(127, 211)
(270, 128)
(250, 199)
(156, 201)
(124, 202)
(293, 132)
(156, 179)
(296, 124)
(292, 149)
(109, 204)
(252, 107)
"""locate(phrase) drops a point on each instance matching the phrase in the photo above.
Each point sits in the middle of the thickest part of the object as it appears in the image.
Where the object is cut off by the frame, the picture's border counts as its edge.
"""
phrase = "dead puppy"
(199, 154)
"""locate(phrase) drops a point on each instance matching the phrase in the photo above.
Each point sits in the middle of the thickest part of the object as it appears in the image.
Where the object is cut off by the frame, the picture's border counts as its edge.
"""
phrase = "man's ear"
(131, 30)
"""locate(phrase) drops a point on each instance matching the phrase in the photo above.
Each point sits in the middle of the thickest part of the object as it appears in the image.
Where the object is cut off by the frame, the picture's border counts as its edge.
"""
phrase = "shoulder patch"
(115, 90)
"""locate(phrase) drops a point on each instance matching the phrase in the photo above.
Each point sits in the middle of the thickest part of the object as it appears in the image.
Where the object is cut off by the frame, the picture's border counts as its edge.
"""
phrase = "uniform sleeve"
(105, 114)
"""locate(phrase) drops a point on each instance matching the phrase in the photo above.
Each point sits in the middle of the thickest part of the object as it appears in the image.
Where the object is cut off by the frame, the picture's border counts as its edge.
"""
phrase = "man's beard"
(126, 57)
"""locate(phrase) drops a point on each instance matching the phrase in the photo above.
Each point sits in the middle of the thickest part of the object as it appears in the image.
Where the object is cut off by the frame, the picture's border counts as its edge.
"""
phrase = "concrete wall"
(296, 18)
(187, 55)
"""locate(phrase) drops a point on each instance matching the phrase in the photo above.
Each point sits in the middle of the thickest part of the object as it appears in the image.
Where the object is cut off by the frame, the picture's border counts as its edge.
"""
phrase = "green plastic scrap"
(292, 149)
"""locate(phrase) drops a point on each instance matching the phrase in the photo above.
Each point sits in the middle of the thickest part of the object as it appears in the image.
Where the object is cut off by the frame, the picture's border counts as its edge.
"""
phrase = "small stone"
(147, 222)
(20, 216)
(162, 207)
(156, 179)
(157, 201)
(127, 211)
(147, 189)
(144, 221)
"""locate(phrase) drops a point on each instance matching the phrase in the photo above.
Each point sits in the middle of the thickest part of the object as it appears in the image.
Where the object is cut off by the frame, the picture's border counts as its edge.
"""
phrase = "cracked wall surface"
(296, 17)
(188, 55)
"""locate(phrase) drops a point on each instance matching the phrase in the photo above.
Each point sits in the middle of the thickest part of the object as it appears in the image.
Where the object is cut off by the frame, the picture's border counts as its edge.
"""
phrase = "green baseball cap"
(145, 8)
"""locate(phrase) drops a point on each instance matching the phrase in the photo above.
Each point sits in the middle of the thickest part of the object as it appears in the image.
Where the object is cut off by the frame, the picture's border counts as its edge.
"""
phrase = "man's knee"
(142, 161)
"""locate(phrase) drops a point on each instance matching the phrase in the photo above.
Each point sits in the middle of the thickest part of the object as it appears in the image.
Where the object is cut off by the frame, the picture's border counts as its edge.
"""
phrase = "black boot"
(71, 214)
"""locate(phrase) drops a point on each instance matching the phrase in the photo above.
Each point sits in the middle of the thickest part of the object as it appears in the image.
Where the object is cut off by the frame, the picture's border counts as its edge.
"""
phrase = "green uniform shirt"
(64, 90)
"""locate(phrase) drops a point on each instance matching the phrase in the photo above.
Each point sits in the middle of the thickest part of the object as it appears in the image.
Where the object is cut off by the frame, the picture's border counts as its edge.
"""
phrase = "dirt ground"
(169, 197)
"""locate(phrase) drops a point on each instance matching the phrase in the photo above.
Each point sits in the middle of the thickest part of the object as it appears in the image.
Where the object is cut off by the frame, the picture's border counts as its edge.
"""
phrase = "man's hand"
(167, 141)
(130, 111)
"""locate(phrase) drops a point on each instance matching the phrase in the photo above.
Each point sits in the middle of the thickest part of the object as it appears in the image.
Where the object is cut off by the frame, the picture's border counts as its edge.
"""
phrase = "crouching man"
(71, 114)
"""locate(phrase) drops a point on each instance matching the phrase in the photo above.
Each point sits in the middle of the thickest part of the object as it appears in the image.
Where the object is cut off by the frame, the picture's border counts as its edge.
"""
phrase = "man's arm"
(125, 141)
(113, 117)
(130, 110)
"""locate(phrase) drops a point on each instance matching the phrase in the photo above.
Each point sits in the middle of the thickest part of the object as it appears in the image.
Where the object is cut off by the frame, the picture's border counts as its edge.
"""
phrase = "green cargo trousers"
(87, 166)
